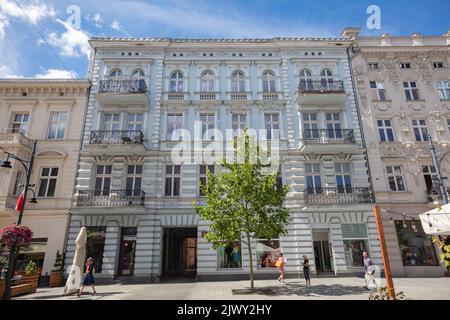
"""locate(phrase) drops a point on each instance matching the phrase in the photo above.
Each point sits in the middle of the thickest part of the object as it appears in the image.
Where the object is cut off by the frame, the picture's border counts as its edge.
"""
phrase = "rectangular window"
(373, 66)
(230, 256)
(333, 123)
(411, 91)
(238, 122)
(429, 175)
(174, 126)
(208, 125)
(135, 121)
(343, 177)
(378, 92)
(443, 89)
(385, 130)
(420, 130)
(313, 179)
(438, 65)
(47, 182)
(395, 178)
(172, 186)
(311, 125)
(58, 124)
(203, 170)
(134, 180)
(405, 65)
(416, 247)
(17, 183)
(103, 180)
(95, 246)
(355, 243)
(111, 121)
(20, 122)
(272, 125)
(267, 253)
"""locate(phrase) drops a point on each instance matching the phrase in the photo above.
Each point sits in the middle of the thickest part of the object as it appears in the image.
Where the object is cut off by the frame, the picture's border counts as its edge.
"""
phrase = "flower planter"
(56, 279)
(33, 280)
(2, 287)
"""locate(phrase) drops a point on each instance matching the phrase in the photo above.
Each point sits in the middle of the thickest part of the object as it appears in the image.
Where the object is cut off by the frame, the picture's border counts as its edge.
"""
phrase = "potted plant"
(31, 275)
(3, 264)
(56, 276)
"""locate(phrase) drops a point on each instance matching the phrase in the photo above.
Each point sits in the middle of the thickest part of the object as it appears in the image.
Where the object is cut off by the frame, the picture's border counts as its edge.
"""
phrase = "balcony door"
(343, 178)
(103, 180)
(333, 124)
(111, 121)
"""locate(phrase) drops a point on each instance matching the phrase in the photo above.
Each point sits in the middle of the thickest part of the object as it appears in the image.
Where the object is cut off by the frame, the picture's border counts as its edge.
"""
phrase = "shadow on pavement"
(72, 297)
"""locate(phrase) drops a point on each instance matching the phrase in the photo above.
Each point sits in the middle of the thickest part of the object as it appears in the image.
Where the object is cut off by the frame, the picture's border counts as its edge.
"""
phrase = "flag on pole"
(19, 204)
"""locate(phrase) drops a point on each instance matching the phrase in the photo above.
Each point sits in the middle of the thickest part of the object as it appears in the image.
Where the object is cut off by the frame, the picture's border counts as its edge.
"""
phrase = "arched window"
(138, 74)
(268, 82)
(326, 78)
(115, 73)
(176, 82)
(306, 82)
(237, 82)
(207, 82)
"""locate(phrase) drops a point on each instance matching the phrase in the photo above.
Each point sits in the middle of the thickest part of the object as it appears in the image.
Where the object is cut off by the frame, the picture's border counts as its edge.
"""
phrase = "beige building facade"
(52, 112)
(403, 88)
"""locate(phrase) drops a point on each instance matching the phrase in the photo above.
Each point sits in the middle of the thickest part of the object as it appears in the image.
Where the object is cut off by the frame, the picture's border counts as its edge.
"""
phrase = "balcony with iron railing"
(339, 195)
(329, 140)
(116, 137)
(123, 91)
(15, 137)
(321, 92)
(110, 198)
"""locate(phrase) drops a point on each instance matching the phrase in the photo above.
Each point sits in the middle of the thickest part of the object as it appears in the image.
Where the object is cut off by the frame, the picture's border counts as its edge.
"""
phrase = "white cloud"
(72, 42)
(97, 19)
(6, 72)
(35, 11)
(116, 25)
(57, 74)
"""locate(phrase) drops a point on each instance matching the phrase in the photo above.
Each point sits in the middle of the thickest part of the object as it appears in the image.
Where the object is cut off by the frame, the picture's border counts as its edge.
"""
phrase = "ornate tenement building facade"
(52, 112)
(403, 85)
(137, 203)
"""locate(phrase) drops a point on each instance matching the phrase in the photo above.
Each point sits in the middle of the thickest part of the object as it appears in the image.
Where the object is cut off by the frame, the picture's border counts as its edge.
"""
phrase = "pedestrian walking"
(88, 277)
(369, 270)
(280, 265)
(306, 266)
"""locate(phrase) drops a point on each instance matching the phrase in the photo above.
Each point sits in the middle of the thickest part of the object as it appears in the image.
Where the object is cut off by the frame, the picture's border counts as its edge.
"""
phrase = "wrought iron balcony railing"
(339, 195)
(15, 135)
(123, 86)
(324, 136)
(321, 86)
(116, 137)
(110, 198)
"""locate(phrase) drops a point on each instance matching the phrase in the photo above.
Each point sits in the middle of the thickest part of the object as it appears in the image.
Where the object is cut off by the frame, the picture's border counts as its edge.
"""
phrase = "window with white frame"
(268, 82)
(377, 90)
(411, 91)
(343, 177)
(174, 123)
(333, 124)
(238, 82)
(111, 121)
(207, 82)
(326, 78)
(134, 180)
(313, 178)
(272, 125)
(135, 121)
(20, 122)
(238, 122)
(208, 124)
(420, 130)
(429, 175)
(115, 73)
(138, 74)
(172, 181)
(405, 65)
(176, 82)
(203, 176)
(57, 125)
(47, 182)
(311, 125)
(356, 242)
(306, 82)
(385, 130)
(395, 178)
(443, 89)
(103, 176)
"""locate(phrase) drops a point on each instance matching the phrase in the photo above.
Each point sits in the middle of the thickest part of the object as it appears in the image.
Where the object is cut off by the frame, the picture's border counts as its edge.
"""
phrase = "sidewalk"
(293, 289)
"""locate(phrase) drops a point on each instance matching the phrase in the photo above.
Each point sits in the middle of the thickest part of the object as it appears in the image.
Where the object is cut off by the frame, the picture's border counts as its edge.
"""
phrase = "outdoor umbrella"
(436, 221)
(73, 283)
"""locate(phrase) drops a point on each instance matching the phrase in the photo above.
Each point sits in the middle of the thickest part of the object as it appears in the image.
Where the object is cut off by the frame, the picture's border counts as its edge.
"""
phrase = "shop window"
(35, 251)
(416, 247)
(95, 246)
(355, 243)
(267, 253)
(230, 256)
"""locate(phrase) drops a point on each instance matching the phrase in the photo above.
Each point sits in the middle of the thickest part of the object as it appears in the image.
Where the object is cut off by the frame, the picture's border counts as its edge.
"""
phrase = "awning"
(436, 221)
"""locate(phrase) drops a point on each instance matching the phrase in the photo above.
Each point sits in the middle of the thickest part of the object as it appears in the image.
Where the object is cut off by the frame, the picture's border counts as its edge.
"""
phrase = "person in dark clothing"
(88, 277)
(306, 271)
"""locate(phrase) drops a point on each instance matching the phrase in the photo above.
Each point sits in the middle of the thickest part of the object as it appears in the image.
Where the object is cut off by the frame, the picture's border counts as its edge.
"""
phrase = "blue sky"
(37, 40)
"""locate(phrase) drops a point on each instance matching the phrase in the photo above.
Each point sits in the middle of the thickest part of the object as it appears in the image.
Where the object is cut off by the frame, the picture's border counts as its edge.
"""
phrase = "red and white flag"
(19, 204)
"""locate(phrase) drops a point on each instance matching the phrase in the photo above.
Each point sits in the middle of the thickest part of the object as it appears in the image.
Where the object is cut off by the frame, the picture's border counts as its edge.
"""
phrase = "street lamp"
(439, 181)
(28, 165)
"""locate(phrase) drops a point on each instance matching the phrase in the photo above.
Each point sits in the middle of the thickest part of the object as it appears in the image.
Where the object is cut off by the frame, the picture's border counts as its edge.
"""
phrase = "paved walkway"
(322, 288)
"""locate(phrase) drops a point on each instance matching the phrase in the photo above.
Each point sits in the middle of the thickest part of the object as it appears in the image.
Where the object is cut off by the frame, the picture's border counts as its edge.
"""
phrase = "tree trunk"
(252, 281)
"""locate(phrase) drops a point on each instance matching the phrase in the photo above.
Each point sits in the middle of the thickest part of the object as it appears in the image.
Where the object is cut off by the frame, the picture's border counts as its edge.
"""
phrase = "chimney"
(350, 33)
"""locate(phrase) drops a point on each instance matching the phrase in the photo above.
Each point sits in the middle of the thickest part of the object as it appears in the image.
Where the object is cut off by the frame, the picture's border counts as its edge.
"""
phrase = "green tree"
(244, 201)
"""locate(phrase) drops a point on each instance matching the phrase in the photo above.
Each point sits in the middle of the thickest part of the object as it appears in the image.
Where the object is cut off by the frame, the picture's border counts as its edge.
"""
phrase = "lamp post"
(437, 164)
(28, 165)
